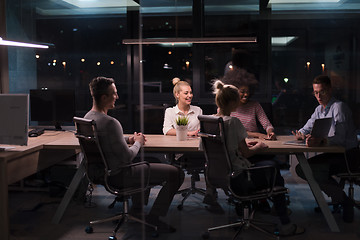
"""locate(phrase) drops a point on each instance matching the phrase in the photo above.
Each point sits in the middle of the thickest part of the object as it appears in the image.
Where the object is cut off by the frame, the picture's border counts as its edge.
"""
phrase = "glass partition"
(295, 42)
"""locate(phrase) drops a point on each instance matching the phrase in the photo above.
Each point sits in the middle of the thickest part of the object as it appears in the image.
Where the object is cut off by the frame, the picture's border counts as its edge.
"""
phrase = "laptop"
(320, 129)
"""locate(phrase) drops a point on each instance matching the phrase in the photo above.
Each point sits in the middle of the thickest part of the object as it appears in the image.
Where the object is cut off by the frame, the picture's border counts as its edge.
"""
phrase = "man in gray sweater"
(118, 153)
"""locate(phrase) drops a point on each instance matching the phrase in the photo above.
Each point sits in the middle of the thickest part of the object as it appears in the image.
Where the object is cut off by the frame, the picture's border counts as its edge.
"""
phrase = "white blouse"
(172, 113)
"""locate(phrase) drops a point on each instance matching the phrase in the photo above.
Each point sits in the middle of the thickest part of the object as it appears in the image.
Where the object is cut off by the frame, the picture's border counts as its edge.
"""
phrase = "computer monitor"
(14, 120)
(54, 106)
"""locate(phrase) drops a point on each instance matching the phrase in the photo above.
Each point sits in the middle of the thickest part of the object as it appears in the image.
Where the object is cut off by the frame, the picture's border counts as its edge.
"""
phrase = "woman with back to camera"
(227, 100)
(183, 96)
(249, 112)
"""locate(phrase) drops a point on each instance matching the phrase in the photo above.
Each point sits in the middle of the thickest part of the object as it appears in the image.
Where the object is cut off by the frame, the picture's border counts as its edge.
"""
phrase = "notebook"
(320, 129)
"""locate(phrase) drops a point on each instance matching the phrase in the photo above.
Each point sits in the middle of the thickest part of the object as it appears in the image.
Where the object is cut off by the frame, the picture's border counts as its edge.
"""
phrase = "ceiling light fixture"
(190, 40)
(21, 44)
(282, 41)
(301, 1)
(102, 3)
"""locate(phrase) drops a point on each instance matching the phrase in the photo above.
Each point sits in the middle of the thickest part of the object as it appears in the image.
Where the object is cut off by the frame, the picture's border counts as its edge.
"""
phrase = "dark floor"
(31, 214)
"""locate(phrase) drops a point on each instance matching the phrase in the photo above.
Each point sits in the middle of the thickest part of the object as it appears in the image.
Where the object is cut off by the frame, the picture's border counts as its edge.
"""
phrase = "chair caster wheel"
(205, 235)
(89, 229)
(155, 234)
(112, 238)
(180, 207)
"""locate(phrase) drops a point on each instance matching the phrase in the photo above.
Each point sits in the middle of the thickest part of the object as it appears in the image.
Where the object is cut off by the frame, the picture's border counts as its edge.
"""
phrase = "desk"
(278, 147)
(169, 144)
(23, 161)
(161, 143)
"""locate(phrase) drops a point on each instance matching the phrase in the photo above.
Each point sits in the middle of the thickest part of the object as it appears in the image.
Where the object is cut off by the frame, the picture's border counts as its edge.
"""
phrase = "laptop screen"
(321, 127)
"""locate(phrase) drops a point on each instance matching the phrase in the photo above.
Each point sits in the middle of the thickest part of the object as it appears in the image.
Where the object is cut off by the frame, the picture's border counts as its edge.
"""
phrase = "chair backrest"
(352, 160)
(219, 171)
(96, 167)
(213, 140)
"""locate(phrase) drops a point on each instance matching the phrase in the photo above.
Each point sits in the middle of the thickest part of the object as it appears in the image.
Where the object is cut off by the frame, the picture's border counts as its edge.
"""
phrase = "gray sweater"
(112, 140)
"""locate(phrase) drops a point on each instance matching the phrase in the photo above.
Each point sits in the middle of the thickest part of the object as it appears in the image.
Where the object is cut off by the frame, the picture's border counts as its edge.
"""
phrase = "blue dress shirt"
(342, 131)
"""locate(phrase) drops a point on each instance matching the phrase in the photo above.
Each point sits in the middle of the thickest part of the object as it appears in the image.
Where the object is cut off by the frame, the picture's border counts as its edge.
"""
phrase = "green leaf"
(182, 121)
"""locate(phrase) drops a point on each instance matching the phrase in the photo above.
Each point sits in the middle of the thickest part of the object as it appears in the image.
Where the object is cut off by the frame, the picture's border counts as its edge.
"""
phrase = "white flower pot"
(181, 133)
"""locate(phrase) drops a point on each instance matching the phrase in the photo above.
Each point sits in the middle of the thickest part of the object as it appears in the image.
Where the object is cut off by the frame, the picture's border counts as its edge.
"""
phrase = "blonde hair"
(177, 86)
(226, 97)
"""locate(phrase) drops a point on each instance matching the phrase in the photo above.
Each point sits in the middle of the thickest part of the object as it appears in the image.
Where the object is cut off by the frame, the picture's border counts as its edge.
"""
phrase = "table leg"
(4, 204)
(69, 193)
(314, 186)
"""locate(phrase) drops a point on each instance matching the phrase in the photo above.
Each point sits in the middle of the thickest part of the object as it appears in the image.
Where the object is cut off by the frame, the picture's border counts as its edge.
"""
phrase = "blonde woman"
(183, 96)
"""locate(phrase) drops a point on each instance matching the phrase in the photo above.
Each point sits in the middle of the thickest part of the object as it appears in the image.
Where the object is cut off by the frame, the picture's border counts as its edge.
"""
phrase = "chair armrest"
(270, 179)
(137, 163)
(235, 173)
(129, 166)
(130, 190)
(207, 135)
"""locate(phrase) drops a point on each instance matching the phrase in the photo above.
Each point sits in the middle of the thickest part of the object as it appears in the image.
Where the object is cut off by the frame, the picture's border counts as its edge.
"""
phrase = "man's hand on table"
(137, 137)
(299, 135)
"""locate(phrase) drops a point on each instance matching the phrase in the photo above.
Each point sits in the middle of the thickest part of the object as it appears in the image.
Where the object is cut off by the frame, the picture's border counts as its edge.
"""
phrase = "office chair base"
(243, 224)
(190, 190)
(246, 222)
(187, 192)
(123, 217)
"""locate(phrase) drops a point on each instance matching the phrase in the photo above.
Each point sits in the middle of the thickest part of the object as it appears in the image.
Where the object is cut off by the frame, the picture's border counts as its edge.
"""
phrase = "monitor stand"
(58, 126)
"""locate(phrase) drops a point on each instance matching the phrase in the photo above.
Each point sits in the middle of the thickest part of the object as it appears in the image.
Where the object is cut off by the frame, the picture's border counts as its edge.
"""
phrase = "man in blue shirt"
(342, 133)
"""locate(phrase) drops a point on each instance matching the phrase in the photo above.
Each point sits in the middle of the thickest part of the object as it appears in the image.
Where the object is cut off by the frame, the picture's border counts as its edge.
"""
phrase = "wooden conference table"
(26, 160)
(169, 144)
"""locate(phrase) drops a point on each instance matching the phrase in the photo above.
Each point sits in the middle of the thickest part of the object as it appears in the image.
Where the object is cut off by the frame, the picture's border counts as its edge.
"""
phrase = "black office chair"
(219, 174)
(351, 177)
(98, 172)
(194, 165)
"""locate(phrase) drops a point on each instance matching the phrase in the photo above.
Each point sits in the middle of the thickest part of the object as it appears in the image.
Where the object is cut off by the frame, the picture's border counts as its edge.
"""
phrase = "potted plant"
(181, 128)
